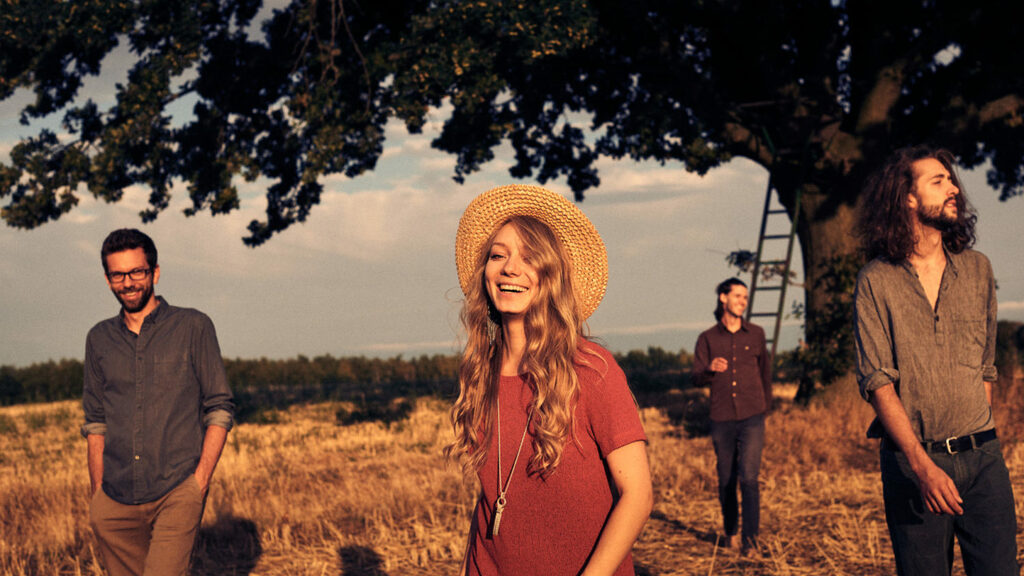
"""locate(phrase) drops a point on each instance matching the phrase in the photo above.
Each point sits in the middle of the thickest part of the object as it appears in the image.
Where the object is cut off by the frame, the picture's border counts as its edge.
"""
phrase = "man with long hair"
(732, 358)
(925, 324)
(157, 412)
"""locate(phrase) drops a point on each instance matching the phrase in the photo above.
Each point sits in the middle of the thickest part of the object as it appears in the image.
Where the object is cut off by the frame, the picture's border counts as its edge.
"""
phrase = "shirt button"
(137, 456)
(733, 382)
(733, 394)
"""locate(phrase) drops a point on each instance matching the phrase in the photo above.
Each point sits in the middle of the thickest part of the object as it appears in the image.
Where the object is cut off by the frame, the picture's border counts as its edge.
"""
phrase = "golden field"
(305, 495)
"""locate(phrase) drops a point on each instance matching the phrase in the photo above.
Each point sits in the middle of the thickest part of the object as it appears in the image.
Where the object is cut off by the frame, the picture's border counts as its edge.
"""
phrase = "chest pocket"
(170, 368)
(969, 334)
(746, 352)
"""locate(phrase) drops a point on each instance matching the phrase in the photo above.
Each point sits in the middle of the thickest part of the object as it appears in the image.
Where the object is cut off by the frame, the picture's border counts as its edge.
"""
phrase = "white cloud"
(400, 347)
(369, 225)
(445, 163)
(399, 143)
(653, 328)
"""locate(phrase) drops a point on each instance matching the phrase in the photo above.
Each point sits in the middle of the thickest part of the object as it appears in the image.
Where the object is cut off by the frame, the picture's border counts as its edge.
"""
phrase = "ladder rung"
(762, 314)
(772, 262)
(776, 236)
(778, 211)
(759, 288)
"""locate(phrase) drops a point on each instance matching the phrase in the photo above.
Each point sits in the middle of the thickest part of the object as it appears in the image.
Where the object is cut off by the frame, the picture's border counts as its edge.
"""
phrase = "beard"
(937, 217)
(145, 295)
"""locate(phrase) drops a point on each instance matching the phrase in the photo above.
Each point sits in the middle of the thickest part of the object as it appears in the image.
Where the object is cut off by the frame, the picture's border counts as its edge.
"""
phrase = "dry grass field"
(305, 495)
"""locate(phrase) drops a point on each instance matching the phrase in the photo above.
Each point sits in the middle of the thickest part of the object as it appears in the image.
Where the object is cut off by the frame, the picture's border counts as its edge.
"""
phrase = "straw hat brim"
(488, 211)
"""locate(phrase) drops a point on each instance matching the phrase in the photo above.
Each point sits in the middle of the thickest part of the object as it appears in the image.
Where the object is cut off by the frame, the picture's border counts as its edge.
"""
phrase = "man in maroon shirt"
(732, 358)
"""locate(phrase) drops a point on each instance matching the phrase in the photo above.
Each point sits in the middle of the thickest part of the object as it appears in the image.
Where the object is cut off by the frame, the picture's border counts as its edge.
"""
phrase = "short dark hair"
(724, 287)
(884, 223)
(128, 239)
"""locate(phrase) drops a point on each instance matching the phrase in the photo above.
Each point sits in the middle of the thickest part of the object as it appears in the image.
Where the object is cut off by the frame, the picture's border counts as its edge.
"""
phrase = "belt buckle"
(949, 447)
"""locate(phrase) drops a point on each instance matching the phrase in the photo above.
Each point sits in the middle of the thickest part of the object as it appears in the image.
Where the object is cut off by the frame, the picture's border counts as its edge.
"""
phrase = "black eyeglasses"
(137, 274)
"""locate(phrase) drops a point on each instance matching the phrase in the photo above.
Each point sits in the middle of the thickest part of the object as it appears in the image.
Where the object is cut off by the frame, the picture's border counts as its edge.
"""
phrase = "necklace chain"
(499, 504)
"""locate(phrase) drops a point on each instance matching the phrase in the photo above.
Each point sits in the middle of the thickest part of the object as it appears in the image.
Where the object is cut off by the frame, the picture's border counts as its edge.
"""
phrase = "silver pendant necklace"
(499, 504)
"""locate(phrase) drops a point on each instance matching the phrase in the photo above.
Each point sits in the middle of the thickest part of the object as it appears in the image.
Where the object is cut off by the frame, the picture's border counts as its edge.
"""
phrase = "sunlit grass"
(304, 495)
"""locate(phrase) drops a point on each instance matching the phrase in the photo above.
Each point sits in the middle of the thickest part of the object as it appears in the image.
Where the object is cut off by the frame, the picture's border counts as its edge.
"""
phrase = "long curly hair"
(554, 345)
(886, 223)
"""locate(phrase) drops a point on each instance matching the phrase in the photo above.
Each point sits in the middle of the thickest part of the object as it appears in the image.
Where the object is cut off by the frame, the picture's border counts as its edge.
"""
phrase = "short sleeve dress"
(551, 524)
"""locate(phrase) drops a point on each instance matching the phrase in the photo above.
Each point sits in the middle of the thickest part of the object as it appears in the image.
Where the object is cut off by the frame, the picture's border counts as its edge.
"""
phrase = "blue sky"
(372, 270)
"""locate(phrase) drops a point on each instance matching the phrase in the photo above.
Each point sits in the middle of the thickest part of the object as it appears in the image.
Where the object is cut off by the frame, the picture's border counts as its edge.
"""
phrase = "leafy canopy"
(815, 92)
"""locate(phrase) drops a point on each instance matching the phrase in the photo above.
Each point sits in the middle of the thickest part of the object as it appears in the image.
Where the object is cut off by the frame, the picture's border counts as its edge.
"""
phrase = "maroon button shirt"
(744, 389)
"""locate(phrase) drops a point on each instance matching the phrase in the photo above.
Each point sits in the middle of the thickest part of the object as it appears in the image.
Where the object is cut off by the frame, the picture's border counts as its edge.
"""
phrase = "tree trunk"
(829, 246)
(824, 236)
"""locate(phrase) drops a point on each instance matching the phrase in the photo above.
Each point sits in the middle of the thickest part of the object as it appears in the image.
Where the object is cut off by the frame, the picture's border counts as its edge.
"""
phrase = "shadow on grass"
(360, 561)
(642, 570)
(230, 547)
(703, 535)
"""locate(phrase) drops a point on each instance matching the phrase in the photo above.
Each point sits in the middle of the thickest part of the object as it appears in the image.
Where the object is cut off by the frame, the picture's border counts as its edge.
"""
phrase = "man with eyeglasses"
(157, 412)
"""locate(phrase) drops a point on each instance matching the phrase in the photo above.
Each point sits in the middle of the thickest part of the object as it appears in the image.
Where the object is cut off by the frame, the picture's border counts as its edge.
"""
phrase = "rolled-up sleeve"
(92, 394)
(989, 373)
(217, 401)
(875, 364)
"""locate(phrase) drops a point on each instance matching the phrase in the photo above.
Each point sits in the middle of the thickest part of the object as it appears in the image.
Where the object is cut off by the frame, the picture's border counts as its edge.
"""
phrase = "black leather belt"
(950, 445)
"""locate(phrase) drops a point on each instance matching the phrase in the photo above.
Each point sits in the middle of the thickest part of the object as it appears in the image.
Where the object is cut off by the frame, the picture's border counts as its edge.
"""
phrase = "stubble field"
(304, 495)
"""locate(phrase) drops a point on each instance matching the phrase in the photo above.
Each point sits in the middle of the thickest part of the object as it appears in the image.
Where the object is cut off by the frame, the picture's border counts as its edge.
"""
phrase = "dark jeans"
(923, 542)
(738, 445)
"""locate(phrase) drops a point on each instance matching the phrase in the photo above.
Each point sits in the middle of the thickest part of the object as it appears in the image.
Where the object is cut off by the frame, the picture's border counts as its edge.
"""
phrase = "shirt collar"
(153, 316)
(951, 260)
(743, 326)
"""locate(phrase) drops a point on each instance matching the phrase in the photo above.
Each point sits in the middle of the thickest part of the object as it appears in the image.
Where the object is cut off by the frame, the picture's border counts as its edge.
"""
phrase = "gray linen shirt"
(152, 395)
(937, 359)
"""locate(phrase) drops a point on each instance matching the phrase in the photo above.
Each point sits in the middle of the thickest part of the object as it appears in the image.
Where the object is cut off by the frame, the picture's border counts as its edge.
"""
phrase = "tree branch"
(879, 102)
(1009, 107)
(359, 53)
(743, 142)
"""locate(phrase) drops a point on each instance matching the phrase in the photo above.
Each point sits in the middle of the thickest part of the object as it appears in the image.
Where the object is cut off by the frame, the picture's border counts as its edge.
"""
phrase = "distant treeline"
(43, 382)
(264, 382)
(325, 377)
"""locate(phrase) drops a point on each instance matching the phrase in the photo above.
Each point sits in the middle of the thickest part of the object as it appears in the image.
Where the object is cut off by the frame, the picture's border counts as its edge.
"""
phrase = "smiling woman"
(510, 273)
(533, 268)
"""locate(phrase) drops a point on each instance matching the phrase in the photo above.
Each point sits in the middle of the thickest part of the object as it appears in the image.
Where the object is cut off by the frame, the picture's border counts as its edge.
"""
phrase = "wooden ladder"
(774, 269)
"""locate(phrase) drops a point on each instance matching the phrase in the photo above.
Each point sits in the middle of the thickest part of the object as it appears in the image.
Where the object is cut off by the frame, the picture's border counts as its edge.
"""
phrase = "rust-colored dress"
(551, 525)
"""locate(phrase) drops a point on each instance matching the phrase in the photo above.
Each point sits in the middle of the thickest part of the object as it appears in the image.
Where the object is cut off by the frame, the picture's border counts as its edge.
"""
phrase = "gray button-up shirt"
(937, 359)
(152, 395)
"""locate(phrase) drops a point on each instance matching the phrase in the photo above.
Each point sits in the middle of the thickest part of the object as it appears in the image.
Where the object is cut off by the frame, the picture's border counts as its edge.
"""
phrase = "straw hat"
(488, 211)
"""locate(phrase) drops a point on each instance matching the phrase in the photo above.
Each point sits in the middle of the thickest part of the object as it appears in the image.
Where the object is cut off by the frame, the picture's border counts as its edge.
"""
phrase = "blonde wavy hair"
(555, 336)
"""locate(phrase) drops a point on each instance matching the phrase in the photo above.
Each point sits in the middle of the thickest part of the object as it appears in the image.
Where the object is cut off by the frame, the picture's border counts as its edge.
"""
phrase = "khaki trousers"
(151, 539)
